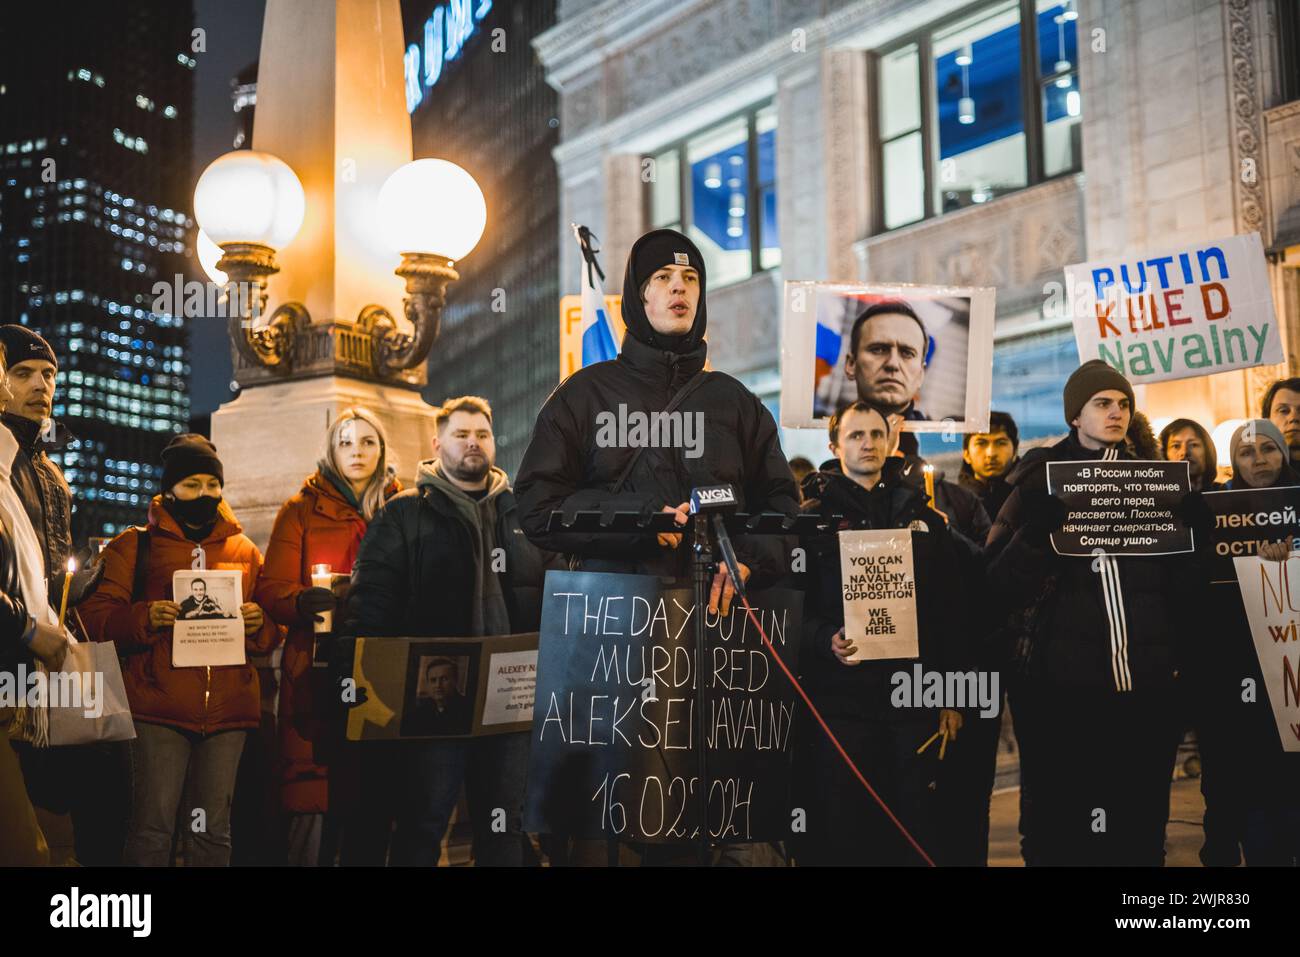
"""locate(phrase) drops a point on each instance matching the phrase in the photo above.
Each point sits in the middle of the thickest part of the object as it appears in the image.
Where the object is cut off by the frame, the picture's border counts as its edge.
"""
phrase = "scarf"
(489, 613)
(28, 724)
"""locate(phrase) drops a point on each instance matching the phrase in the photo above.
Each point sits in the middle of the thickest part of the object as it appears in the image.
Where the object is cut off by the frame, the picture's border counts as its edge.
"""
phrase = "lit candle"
(67, 584)
(321, 577)
(929, 484)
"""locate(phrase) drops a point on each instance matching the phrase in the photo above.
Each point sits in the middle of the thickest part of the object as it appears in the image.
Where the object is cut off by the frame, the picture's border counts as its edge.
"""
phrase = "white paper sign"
(209, 629)
(511, 684)
(1271, 593)
(879, 593)
(1185, 312)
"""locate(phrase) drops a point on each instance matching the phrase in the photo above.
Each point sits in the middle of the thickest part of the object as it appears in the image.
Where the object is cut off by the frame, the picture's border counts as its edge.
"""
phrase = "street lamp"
(432, 213)
(251, 204)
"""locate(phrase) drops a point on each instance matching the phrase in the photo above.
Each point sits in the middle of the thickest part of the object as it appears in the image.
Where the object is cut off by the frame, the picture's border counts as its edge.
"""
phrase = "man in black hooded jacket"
(1097, 695)
(575, 458)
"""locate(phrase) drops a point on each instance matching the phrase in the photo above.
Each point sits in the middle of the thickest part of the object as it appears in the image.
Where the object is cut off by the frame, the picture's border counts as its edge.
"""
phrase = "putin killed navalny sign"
(1187, 312)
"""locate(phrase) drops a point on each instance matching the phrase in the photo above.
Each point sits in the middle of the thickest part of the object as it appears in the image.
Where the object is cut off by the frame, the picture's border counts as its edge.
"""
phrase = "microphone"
(714, 502)
(713, 498)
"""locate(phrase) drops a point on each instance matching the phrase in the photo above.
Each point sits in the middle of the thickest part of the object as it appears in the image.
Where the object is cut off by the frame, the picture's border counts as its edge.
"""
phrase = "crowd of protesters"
(1105, 661)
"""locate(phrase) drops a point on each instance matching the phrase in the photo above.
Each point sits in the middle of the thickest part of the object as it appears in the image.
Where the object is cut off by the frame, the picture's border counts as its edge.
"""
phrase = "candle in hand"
(321, 577)
(929, 484)
(67, 584)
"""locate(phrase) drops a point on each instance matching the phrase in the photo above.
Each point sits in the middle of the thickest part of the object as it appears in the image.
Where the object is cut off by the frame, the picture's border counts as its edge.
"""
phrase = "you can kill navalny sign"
(1187, 312)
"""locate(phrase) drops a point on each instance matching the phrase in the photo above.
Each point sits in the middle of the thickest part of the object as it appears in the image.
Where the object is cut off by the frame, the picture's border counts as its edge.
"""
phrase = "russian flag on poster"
(598, 340)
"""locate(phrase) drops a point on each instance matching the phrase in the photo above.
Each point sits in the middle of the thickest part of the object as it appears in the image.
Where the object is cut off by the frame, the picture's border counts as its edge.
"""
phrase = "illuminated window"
(719, 187)
(957, 122)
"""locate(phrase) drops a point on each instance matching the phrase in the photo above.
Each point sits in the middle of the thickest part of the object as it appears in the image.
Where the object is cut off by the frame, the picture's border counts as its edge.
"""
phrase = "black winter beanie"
(1092, 377)
(189, 454)
(654, 250)
(22, 344)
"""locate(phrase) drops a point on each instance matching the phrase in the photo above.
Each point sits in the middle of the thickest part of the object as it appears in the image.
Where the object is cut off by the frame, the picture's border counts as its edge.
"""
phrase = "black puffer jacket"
(1246, 766)
(566, 468)
(1120, 624)
(413, 576)
(43, 490)
(992, 493)
(943, 635)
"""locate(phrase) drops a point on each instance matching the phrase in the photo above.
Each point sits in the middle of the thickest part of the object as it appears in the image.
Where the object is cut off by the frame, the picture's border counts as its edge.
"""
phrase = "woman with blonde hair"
(322, 524)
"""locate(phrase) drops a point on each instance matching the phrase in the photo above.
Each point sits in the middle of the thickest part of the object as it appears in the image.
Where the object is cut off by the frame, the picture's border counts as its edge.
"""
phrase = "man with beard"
(428, 568)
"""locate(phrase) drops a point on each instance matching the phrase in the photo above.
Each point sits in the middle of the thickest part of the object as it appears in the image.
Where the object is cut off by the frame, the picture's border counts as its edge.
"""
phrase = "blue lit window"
(957, 122)
(727, 175)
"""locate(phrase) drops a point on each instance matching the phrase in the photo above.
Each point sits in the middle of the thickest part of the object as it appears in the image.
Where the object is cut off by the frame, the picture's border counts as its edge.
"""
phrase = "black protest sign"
(614, 745)
(1245, 517)
(1120, 507)
(436, 687)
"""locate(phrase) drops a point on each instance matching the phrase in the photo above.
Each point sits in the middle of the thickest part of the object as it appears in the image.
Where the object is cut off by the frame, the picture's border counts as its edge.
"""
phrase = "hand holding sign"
(162, 614)
(844, 649)
(1123, 507)
(1276, 551)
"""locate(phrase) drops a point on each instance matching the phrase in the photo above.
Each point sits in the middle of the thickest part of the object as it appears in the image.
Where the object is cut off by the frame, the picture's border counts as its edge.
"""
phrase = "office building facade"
(941, 142)
(95, 151)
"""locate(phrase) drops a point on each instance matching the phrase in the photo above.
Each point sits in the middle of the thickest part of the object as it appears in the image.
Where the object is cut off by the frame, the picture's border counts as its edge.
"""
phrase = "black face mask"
(195, 511)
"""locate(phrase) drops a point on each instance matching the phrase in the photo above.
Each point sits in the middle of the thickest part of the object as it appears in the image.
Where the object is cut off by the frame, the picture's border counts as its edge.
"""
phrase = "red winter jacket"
(316, 526)
(205, 700)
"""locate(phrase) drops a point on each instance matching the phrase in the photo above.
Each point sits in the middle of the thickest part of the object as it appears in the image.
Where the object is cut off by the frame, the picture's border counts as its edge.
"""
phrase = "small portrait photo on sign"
(440, 692)
(203, 595)
(922, 352)
(209, 629)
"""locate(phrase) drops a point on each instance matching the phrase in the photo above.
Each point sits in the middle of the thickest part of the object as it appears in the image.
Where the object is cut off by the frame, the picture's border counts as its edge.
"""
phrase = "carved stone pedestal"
(270, 437)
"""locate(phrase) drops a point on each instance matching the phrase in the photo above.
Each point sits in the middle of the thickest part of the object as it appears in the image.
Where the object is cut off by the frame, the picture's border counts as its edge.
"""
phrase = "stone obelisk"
(331, 104)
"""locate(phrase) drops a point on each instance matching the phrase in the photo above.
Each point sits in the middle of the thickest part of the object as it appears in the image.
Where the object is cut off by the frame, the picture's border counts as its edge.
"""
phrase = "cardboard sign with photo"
(924, 352)
(209, 629)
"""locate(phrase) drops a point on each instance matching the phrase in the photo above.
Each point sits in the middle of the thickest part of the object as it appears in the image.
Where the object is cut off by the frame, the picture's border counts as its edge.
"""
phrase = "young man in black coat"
(987, 458)
(719, 433)
(1096, 699)
(857, 698)
(445, 559)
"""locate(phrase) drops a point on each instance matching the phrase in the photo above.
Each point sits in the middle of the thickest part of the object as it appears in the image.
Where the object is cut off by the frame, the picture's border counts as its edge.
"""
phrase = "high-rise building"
(944, 142)
(95, 152)
(479, 98)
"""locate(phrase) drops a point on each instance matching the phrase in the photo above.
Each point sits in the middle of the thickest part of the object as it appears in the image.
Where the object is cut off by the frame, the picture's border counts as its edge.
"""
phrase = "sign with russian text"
(1185, 312)
(1273, 609)
(615, 748)
(1120, 507)
(1245, 517)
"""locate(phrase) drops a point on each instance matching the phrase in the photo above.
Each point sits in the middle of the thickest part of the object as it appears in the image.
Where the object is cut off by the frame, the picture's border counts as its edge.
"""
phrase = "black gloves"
(1192, 511)
(1044, 513)
(312, 601)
